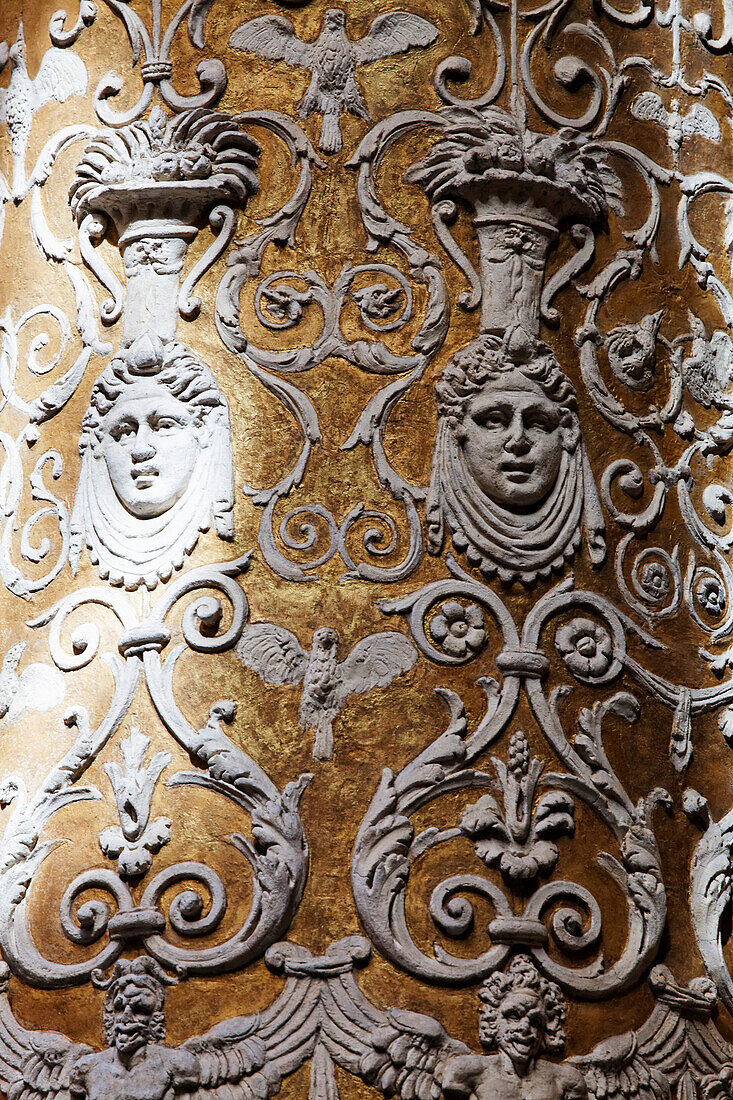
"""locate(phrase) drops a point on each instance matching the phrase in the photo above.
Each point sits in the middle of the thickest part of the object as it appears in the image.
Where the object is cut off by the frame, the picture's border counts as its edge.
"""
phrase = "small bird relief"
(156, 464)
(333, 59)
(679, 126)
(37, 687)
(511, 483)
(278, 658)
(61, 74)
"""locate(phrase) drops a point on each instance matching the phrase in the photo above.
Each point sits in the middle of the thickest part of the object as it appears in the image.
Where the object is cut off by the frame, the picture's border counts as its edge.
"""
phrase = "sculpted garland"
(322, 1014)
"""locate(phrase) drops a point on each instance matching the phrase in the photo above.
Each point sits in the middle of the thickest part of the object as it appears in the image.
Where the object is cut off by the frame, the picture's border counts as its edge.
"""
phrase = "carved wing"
(394, 32)
(649, 107)
(255, 1053)
(700, 120)
(374, 662)
(233, 1054)
(34, 1064)
(273, 37)
(680, 1038)
(61, 75)
(408, 1056)
(616, 1068)
(273, 653)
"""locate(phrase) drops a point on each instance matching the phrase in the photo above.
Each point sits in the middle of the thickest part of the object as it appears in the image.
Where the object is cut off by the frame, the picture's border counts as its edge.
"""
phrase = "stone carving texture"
(61, 74)
(38, 687)
(156, 464)
(277, 656)
(510, 477)
(137, 839)
(322, 1014)
(333, 59)
(556, 542)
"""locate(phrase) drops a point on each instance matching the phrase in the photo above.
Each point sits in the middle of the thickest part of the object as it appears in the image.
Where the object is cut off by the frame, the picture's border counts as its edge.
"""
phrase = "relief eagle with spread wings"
(277, 657)
(333, 59)
(61, 75)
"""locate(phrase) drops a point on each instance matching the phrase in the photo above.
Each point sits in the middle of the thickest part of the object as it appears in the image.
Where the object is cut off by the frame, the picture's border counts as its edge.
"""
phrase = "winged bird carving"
(616, 1068)
(277, 657)
(649, 107)
(61, 75)
(333, 59)
(378, 301)
(38, 687)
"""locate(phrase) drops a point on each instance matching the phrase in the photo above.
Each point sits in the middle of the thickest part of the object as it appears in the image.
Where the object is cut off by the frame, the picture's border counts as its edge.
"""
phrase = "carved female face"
(520, 1025)
(512, 441)
(150, 446)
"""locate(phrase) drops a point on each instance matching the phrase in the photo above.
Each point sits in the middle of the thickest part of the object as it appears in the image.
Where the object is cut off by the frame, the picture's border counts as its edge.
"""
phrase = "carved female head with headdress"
(156, 464)
(510, 475)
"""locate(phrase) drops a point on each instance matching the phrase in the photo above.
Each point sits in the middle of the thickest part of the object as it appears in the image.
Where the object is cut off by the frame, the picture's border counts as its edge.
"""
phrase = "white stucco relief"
(511, 481)
(156, 464)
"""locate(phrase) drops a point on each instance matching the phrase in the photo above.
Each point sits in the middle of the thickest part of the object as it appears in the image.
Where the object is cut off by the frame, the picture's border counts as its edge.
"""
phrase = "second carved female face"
(512, 441)
(150, 446)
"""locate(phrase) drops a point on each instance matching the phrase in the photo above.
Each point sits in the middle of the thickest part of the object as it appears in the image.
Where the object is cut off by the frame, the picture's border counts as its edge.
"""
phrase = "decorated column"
(366, 675)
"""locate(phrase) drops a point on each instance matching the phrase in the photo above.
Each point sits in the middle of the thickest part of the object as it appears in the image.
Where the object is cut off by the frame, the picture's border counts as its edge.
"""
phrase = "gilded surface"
(602, 144)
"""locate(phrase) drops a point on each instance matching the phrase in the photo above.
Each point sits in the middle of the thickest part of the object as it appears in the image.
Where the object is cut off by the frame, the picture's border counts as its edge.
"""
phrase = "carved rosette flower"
(632, 352)
(654, 580)
(586, 648)
(458, 630)
(710, 594)
(520, 838)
